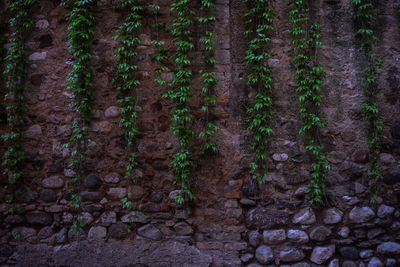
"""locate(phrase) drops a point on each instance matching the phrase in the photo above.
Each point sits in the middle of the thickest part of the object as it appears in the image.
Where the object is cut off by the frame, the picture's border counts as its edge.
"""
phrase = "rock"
(375, 262)
(385, 211)
(159, 165)
(359, 188)
(366, 254)
(33, 132)
(104, 127)
(156, 196)
(320, 233)
(64, 130)
(305, 216)
(280, 157)
(247, 202)
(262, 218)
(42, 24)
(67, 218)
(108, 217)
(92, 181)
(112, 178)
(38, 56)
(273, 237)
(39, 217)
(53, 182)
(322, 254)
(387, 159)
(97, 233)
(25, 195)
(23, 233)
(291, 255)
(390, 263)
(150, 231)
(112, 112)
(14, 219)
(117, 193)
(135, 217)
(332, 216)
(45, 232)
(246, 257)
(293, 205)
(351, 264)
(254, 265)
(91, 196)
(254, 238)
(375, 232)
(136, 192)
(344, 232)
(183, 228)
(298, 236)
(361, 215)
(391, 178)
(349, 253)
(5, 250)
(85, 217)
(62, 236)
(48, 195)
(265, 201)
(301, 191)
(360, 156)
(118, 230)
(273, 62)
(300, 264)
(395, 131)
(334, 263)
(76, 235)
(389, 248)
(264, 254)
(250, 187)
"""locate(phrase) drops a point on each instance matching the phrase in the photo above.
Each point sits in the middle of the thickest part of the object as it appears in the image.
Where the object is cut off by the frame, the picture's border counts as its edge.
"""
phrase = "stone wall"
(234, 222)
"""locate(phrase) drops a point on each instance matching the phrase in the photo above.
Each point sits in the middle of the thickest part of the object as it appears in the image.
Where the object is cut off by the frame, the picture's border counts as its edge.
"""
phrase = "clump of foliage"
(259, 23)
(209, 76)
(309, 77)
(125, 79)
(17, 62)
(365, 17)
(81, 31)
(180, 93)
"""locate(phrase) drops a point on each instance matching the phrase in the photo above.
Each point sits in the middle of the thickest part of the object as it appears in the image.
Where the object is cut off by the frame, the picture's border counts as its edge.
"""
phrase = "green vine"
(180, 94)
(126, 81)
(209, 79)
(365, 16)
(17, 62)
(82, 22)
(309, 77)
(259, 19)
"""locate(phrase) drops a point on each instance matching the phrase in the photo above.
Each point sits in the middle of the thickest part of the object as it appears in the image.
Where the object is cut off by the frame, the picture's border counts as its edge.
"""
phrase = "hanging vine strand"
(259, 19)
(309, 77)
(126, 82)
(17, 62)
(209, 76)
(81, 27)
(365, 17)
(180, 94)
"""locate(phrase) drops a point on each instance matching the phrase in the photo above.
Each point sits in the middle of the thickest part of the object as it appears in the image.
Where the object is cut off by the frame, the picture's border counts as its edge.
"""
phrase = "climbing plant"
(81, 31)
(180, 93)
(17, 62)
(125, 79)
(259, 19)
(309, 78)
(209, 76)
(3, 54)
(365, 16)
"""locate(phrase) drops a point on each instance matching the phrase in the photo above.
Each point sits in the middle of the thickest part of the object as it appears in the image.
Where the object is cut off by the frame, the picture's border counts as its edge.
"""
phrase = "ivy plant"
(17, 62)
(209, 76)
(125, 79)
(180, 93)
(81, 31)
(259, 25)
(365, 17)
(309, 78)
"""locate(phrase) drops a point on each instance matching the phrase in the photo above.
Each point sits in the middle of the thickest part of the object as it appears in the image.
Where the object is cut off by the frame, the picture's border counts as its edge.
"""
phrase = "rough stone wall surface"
(234, 222)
